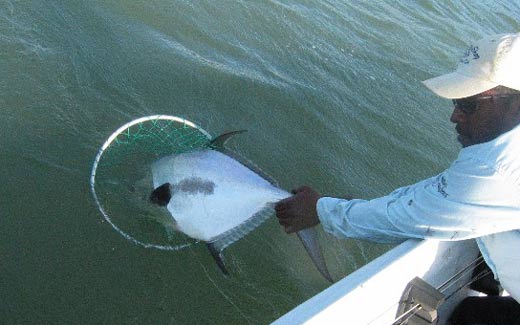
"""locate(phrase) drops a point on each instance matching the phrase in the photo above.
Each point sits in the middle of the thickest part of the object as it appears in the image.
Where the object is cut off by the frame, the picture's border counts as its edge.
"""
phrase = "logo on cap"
(471, 53)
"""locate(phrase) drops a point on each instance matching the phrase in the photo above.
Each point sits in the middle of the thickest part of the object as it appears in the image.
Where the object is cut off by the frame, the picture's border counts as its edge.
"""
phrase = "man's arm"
(466, 201)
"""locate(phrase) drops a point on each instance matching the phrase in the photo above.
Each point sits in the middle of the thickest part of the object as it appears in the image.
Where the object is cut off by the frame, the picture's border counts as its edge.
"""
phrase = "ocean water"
(329, 92)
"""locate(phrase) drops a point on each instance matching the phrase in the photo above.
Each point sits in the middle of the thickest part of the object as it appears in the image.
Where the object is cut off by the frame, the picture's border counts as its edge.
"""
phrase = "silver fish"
(215, 198)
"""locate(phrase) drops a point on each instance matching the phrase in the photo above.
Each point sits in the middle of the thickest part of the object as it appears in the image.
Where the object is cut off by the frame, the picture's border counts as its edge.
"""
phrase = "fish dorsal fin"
(219, 142)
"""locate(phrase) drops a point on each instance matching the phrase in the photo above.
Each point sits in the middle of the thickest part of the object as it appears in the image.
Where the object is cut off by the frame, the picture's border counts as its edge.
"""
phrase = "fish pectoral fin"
(219, 142)
(219, 258)
(161, 195)
(308, 237)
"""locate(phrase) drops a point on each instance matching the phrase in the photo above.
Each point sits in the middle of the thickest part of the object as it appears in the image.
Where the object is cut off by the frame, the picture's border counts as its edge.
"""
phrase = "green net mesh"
(121, 179)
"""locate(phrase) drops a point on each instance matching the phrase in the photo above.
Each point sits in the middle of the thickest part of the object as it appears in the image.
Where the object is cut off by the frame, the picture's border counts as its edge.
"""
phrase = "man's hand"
(299, 211)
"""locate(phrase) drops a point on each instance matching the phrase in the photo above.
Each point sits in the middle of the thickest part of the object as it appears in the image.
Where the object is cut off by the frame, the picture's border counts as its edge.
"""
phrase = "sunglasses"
(469, 105)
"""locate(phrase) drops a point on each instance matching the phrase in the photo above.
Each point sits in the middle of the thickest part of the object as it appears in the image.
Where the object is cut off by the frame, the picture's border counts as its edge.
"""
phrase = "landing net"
(121, 178)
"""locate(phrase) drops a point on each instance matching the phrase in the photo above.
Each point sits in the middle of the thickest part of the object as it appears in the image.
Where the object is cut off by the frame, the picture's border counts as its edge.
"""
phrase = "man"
(478, 196)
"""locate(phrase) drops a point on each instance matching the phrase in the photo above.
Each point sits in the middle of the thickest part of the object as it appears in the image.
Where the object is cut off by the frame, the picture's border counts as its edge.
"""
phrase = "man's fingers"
(286, 224)
(284, 219)
(279, 207)
(289, 229)
(283, 207)
(281, 211)
(283, 204)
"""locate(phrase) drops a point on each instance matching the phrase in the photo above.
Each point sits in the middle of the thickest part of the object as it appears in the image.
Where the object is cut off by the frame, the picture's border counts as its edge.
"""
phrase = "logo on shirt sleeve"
(441, 186)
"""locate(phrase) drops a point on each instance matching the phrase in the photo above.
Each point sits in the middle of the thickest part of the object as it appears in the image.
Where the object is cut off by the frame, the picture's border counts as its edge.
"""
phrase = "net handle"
(107, 143)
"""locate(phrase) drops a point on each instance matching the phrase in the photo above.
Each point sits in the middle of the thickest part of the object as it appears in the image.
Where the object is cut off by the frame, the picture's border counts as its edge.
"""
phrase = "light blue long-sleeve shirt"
(478, 196)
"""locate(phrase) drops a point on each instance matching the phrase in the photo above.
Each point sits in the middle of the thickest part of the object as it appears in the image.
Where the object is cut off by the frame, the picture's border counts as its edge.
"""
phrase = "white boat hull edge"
(371, 294)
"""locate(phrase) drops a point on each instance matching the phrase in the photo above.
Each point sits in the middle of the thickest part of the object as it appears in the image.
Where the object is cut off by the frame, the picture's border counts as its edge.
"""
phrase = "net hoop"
(105, 145)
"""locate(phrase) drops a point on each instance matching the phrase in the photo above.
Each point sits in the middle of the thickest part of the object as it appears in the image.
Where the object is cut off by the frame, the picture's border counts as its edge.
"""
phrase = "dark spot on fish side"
(161, 195)
(195, 185)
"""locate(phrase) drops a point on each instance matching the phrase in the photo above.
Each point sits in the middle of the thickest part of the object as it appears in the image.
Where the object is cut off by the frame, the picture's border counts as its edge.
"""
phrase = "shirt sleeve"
(467, 200)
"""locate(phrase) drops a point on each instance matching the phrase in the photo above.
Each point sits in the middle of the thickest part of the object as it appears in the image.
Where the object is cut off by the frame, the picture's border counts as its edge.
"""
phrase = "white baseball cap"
(493, 61)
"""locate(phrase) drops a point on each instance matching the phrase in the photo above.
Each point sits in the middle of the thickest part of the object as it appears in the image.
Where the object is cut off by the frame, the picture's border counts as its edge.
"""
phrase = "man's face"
(483, 117)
